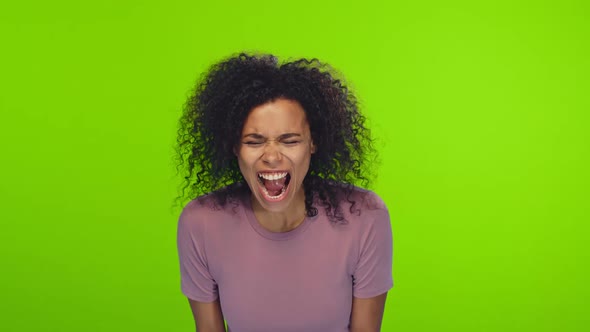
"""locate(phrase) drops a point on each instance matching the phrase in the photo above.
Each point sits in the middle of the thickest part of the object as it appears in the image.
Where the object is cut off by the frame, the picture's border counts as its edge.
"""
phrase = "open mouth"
(274, 185)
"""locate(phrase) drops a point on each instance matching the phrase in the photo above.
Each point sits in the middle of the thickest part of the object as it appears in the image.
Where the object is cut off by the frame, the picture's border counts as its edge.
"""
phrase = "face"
(274, 154)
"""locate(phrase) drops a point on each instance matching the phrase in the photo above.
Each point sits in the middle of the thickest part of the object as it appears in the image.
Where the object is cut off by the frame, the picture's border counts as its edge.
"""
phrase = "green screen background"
(480, 110)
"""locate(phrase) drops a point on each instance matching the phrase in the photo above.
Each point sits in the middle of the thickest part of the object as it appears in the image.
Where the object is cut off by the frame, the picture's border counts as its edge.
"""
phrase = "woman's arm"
(208, 316)
(367, 314)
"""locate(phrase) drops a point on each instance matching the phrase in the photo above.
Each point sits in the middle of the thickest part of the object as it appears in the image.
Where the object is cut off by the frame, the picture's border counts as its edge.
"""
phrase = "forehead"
(276, 117)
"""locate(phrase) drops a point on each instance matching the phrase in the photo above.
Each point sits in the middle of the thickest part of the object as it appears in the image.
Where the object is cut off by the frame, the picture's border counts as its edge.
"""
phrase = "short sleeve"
(372, 275)
(196, 281)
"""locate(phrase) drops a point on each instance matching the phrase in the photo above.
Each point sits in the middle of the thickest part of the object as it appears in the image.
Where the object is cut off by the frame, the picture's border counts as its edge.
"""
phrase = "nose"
(272, 153)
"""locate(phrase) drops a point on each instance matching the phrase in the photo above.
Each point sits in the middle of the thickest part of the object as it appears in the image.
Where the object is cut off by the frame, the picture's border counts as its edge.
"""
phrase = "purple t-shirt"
(301, 280)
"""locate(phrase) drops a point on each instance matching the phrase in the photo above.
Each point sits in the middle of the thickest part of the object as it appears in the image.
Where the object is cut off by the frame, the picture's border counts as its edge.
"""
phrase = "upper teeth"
(272, 176)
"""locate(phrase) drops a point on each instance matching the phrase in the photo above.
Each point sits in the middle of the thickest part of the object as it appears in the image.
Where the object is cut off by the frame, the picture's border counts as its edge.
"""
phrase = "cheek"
(302, 162)
(242, 163)
(246, 160)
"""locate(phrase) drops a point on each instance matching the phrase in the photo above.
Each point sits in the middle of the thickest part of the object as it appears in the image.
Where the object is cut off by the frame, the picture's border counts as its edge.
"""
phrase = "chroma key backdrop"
(480, 112)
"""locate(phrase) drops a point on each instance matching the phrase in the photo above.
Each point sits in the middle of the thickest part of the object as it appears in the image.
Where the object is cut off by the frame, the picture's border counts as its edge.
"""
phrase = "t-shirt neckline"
(282, 236)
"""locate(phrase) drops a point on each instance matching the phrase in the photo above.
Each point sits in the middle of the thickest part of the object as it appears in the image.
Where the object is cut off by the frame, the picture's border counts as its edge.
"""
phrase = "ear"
(313, 147)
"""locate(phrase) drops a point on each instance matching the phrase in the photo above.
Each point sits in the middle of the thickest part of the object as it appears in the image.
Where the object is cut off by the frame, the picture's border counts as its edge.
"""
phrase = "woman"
(278, 238)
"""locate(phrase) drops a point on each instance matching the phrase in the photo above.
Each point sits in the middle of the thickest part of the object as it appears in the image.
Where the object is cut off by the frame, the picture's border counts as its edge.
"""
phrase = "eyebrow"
(283, 136)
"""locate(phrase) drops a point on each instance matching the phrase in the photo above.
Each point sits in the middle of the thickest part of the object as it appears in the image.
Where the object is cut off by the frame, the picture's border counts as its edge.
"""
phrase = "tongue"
(274, 187)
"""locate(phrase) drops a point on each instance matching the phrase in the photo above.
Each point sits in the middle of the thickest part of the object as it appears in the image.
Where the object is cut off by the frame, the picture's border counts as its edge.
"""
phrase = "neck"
(284, 221)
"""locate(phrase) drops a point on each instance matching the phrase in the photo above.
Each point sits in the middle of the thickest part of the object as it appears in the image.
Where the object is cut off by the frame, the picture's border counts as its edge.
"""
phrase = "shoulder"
(198, 206)
(208, 208)
(368, 199)
(358, 200)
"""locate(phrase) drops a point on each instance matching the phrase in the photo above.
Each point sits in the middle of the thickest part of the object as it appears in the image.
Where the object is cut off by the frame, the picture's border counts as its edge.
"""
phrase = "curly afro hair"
(211, 125)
